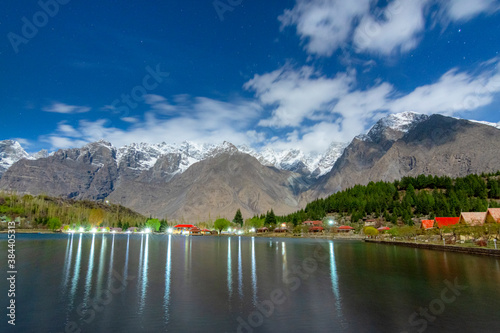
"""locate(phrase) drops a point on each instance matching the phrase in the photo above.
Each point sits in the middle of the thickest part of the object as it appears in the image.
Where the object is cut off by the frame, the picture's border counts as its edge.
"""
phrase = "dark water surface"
(158, 283)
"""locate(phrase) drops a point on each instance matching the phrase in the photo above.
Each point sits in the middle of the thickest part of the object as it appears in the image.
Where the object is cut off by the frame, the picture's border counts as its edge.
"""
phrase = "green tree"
(153, 224)
(54, 223)
(255, 222)
(221, 224)
(270, 219)
(238, 218)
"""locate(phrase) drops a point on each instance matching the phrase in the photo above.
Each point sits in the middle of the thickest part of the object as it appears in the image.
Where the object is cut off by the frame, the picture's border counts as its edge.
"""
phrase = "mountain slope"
(216, 186)
(89, 172)
(436, 145)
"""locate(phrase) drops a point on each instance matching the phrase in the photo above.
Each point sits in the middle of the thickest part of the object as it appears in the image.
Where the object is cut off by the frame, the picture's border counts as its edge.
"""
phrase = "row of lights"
(94, 230)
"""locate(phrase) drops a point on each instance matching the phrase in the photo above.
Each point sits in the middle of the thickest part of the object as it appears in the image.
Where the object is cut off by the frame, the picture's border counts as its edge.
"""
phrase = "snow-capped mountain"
(172, 159)
(10, 152)
(313, 164)
(144, 156)
(393, 126)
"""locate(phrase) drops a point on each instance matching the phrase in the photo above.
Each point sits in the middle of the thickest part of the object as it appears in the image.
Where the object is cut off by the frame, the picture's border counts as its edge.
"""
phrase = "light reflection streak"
(335, 282)
(67, 262)
(240, 269)
(101, 265)
(125, 267)
(144, 278)
(168, 269)
(285, 262)
(254, 273)
(88, 281)
(111, 259)
(229, 272)
(76, 275)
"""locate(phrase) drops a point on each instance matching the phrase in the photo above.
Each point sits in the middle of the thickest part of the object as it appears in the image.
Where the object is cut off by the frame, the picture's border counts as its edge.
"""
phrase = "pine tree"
(270, 218)
(238, 218)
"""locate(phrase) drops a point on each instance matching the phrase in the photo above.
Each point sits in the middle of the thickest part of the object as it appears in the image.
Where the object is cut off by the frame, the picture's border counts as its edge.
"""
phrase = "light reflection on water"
(168, 268)
(90, 269)
(167, 298)
(76, 274)
(100, 271)
(335, 282)
(67, 262)
(144, 276)
(240, 270)
(229, 272)
(254, 273)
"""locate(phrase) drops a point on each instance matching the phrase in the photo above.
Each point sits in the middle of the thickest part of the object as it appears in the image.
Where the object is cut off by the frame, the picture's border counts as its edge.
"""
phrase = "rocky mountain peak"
(393, 127)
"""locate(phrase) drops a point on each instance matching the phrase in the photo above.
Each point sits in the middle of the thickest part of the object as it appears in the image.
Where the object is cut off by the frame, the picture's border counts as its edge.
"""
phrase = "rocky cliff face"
(435, 145)
(84, 173)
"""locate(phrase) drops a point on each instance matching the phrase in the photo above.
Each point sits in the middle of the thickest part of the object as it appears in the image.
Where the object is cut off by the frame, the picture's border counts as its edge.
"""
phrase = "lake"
(158, 283)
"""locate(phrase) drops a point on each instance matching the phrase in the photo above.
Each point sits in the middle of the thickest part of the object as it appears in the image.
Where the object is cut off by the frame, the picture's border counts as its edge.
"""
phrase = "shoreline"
(437, 247)
(263, 235)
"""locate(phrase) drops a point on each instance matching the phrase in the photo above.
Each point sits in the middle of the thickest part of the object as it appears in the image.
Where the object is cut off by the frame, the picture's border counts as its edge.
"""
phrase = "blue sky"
(277, 74)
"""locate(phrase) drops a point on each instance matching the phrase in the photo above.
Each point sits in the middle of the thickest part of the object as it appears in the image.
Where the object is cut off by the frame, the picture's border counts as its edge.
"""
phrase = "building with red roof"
(345, 228)
(446, 221)
(183, 228)
(313, 223)
(427, 224)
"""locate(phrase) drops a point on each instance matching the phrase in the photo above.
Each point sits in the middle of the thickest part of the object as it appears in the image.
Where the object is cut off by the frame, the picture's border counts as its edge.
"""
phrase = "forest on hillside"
(44, 211)
(402, 200)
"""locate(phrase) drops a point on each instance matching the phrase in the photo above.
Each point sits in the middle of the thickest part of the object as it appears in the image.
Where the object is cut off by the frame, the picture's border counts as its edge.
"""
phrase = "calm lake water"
(158, 283)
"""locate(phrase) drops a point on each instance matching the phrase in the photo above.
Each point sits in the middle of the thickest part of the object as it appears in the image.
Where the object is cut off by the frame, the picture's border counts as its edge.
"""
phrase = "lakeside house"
(116, 229)
(345, 228)
(473, 219)
(446, 221)
(263, 229)
(313, 223)
(316, 229)
(183, 229)
(427, 224)
(493, 215)
(133, 229)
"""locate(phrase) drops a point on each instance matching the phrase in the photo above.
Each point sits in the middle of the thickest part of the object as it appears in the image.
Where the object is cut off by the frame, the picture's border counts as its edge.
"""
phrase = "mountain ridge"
(191, 181)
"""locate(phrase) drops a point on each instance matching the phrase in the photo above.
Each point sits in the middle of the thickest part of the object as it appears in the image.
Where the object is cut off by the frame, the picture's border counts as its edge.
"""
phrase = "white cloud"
(327, 25)
(341, 111)
(294, 108)
(463, 10)
(205, 120)
(65, 108)
(297, 94)
(454, 92)
(131, 120)
(398, 29)
(324, 25)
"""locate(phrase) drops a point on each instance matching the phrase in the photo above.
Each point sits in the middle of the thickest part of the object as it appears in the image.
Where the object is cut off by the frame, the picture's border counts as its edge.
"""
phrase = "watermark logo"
(420, 320)
(30, 28)
(130, 101)
(292, 279)
(87, 311)
(223, 6)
